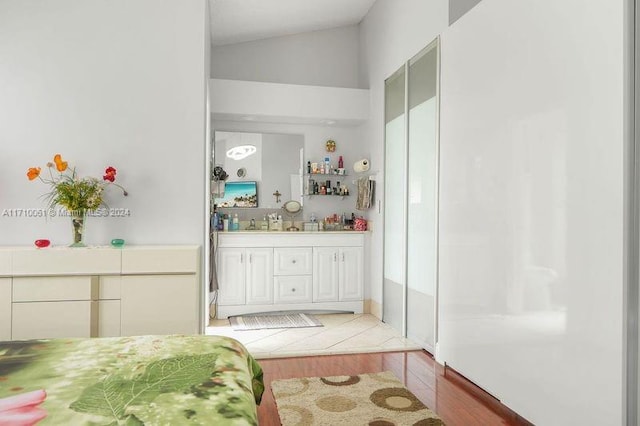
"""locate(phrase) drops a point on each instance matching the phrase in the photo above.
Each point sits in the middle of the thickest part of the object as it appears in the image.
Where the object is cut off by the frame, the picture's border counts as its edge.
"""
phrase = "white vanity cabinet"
(99, 291)
(309, 271)
(245, 276)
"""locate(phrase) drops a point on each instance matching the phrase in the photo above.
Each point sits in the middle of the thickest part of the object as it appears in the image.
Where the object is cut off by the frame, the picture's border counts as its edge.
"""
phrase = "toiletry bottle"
(236, 222)
(340, 163)
(225, 223)
(327, 165)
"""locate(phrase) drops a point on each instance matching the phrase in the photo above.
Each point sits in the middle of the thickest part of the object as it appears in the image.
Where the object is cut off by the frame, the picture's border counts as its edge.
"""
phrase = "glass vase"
(78, 219)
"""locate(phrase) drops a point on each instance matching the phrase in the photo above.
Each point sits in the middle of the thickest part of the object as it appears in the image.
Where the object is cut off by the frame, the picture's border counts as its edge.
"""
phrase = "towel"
(364, 200)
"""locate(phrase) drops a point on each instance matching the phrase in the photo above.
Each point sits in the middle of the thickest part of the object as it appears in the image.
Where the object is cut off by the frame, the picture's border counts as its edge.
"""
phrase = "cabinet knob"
(293, 261)
(293, 290)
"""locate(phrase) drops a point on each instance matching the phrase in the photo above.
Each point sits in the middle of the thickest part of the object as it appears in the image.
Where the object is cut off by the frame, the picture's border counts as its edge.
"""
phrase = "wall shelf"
(325, 195)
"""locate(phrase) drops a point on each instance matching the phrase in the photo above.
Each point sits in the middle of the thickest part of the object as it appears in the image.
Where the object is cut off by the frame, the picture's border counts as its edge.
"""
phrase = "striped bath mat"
(259, 322)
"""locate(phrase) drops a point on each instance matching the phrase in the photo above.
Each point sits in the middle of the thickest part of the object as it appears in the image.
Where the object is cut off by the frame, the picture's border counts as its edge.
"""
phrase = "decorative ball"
(42, 243)
(117, 242)
(331, 145)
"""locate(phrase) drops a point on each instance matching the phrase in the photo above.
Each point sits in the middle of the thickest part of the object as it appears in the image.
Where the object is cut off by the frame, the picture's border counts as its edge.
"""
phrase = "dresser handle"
(293, 261)
(335, 257)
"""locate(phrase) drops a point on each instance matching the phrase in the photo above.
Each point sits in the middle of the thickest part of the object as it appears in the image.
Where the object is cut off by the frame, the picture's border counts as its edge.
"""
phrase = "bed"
(150, 380)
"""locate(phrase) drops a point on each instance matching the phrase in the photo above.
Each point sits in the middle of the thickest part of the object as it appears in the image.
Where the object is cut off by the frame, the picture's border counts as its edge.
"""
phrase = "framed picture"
(239, 194)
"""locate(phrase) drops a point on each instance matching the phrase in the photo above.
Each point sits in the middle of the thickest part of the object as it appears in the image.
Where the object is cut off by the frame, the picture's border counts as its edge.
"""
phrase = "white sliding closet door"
(422, 197)
(395, 242)
(411, 183)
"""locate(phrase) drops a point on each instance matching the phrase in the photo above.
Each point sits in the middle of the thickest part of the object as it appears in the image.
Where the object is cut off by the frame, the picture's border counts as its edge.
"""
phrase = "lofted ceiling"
(235, 21)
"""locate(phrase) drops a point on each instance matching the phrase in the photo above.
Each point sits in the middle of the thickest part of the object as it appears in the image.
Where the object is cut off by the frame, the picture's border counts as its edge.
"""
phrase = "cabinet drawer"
(292, 261)
(65, 261)
(48, 320)
(292, 288)
(109, 318)
(5, 309)
(43, 289)
(5, 263)
(161, 260)
(110, 288)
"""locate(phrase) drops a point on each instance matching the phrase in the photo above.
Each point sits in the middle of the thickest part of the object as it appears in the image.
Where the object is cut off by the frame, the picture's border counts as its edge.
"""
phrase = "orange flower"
(61, 166)
(33, 173)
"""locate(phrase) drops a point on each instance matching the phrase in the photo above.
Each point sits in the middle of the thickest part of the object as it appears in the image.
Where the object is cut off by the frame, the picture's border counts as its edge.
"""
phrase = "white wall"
(531, 206)
(320, 58)
(392, 32)
(106, 83)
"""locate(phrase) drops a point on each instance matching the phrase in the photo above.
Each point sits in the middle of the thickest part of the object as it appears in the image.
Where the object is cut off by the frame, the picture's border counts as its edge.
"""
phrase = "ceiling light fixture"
(240, 152)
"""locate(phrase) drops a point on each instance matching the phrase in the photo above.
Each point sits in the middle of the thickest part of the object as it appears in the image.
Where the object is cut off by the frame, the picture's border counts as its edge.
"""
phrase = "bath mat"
(259, 322)
(367, 399)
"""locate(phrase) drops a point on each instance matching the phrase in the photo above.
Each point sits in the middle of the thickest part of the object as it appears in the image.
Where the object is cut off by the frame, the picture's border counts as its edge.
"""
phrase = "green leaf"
(112, 396)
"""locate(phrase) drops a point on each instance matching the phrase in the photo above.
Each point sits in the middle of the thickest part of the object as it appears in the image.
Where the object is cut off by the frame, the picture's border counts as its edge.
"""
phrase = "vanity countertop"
(257, 231)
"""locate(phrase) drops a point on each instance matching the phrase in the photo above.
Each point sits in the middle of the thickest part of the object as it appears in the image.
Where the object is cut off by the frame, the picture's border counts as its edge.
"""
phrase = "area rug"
(259, 322)
(377, 399)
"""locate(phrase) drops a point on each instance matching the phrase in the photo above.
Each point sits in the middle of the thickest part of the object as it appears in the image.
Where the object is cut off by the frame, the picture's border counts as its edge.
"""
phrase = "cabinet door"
(259, 270)
(5, 309)
(231, 276)
(159, 304)
(351, 273)
(325, 274)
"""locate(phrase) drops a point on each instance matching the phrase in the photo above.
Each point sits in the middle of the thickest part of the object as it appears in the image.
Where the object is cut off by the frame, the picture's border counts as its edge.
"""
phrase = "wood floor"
(455, 402)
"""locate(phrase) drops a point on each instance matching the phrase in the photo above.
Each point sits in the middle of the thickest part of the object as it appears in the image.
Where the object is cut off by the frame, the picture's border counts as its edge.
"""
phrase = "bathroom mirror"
(272, 160)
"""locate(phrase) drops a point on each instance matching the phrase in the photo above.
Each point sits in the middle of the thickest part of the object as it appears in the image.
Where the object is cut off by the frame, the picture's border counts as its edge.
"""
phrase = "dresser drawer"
(292, 261)
(51, 289)
(292, 288)
(49, 320)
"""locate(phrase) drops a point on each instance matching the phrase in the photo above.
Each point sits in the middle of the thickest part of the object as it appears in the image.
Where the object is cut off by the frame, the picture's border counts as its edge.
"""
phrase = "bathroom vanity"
(276, 271)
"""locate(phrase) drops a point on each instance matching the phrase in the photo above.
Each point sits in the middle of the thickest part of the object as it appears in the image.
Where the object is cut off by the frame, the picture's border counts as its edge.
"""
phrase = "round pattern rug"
(377, 399)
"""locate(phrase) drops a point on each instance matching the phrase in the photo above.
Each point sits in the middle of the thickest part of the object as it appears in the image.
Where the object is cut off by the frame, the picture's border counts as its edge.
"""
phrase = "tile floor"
(341, 334)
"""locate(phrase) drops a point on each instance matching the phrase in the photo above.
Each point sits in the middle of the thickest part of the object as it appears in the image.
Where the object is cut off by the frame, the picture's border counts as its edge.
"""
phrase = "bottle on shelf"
(236, 222)
(340, 163)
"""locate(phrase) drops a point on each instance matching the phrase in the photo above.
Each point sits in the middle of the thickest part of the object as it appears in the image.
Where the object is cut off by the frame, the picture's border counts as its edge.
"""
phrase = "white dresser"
(99, 291)
(278, 271)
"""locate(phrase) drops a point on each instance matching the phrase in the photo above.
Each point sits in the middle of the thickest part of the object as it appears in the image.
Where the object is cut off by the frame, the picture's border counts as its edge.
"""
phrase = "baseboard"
(374, 308)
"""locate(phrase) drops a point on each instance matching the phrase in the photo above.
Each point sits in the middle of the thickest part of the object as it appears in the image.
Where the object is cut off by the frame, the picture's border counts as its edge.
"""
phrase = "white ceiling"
(235, 21)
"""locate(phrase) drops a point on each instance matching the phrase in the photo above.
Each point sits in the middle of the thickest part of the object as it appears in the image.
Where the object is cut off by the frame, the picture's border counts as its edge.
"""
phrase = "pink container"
(360, 224)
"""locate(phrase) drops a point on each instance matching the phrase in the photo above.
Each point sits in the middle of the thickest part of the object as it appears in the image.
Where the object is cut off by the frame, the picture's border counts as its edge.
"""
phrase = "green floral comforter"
(150, 380)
